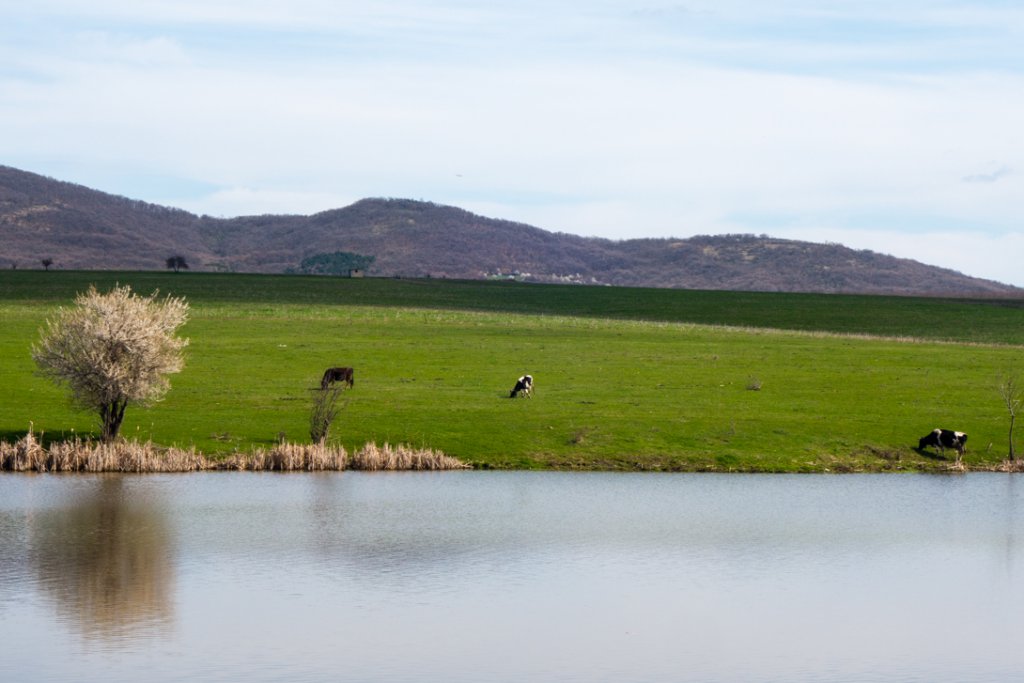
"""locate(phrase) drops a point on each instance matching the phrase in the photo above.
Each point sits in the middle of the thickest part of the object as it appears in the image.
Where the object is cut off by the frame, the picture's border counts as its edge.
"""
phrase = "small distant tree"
(47, 262)
(113, 349)
(1011, 390)
(177, 263)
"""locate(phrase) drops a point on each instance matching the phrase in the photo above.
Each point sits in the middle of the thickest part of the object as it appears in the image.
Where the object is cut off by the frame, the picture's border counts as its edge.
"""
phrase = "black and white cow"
(524, 386)
(943, 439)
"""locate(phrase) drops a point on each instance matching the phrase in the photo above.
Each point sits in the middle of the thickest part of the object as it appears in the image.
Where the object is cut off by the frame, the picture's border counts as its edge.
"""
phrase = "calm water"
(478, 576)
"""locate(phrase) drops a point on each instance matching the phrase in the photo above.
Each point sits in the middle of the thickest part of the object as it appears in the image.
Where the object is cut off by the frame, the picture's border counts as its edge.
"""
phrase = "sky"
(896, 127)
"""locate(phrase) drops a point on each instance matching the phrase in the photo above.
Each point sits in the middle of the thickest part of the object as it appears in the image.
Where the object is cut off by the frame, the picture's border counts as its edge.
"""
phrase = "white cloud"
(730, 117)
(247, 201)
(991, 177)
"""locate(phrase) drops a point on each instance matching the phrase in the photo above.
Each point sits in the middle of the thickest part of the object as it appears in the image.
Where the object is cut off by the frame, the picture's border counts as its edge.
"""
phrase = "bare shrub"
(112, 349)
(325, 409)
(1011, 391)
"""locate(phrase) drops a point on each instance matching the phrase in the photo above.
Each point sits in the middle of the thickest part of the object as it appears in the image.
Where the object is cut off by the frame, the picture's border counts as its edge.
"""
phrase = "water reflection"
(104, 561)
(1014, 487)
(512, 576)
(365, 534)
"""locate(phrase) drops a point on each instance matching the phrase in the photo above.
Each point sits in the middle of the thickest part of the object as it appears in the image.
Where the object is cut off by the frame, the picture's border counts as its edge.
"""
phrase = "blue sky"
(891, 126)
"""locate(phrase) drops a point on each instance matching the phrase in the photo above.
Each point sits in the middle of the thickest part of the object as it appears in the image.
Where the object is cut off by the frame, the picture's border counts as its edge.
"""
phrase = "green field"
(625, 378)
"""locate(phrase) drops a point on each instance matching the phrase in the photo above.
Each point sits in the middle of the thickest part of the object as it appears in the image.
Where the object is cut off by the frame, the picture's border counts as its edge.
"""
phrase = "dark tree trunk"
(112, 415)
(1012, 418)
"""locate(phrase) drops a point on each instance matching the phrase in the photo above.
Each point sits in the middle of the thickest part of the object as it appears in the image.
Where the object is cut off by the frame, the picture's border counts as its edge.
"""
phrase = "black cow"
(337, 375)
(524, 386)
(943, 439)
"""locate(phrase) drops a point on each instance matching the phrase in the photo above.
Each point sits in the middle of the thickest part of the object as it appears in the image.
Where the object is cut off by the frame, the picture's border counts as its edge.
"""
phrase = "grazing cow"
(943, 439)
(524, 386)
(331, 375)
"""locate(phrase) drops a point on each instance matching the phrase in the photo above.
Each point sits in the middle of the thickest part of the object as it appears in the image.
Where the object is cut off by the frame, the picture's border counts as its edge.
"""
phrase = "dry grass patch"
(288, 457)
(402, 457)
(28, 454)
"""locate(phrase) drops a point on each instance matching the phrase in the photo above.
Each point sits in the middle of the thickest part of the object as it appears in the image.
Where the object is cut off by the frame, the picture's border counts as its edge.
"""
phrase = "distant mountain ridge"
(81, 228)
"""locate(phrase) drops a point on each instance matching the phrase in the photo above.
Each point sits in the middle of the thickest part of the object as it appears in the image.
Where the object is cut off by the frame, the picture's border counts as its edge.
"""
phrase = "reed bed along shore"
(29, 454)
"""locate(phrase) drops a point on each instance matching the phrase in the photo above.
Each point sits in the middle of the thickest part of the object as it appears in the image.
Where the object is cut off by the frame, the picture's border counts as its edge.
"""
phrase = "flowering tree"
(112, 349)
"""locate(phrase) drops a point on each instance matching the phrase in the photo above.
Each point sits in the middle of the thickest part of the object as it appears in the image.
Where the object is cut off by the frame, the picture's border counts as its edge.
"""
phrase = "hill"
(81, 228)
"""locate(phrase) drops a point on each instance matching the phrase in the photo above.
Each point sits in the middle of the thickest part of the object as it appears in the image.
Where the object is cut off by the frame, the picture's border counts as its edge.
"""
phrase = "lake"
(511, 576)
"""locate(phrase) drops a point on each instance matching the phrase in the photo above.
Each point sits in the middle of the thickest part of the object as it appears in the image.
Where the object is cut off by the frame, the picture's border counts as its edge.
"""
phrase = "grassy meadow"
(625, 378)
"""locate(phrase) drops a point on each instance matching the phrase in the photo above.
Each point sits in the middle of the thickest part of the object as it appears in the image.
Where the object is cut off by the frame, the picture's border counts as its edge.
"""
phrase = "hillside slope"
(79, 228)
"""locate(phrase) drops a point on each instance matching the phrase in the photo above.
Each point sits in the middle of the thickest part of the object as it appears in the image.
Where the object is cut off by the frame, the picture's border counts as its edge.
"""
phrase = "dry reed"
(29, 454)
(402, 457)
(289, 457)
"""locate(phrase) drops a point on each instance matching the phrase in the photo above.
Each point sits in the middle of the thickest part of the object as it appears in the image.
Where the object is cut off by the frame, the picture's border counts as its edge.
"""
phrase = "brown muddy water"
(511, 576)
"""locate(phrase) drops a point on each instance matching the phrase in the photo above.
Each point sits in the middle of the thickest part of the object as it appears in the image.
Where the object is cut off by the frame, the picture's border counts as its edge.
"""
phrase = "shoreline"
(29, 455)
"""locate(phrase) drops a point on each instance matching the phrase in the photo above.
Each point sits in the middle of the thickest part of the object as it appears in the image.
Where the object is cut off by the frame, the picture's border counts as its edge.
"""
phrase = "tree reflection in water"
(105, 561)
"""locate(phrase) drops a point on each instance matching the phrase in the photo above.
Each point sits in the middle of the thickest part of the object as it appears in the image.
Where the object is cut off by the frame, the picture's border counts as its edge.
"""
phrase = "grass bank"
(625, 379)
